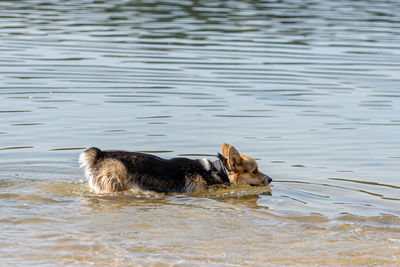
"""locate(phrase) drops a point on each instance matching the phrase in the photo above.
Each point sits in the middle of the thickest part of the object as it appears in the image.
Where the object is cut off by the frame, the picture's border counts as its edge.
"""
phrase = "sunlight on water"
(309, 89)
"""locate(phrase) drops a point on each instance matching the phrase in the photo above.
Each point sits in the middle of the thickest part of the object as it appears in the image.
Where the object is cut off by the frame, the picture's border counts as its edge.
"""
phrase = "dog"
(119, 171)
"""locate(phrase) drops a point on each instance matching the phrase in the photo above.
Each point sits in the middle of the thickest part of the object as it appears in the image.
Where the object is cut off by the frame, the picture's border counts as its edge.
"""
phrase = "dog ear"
(234, 158)
(225, 150)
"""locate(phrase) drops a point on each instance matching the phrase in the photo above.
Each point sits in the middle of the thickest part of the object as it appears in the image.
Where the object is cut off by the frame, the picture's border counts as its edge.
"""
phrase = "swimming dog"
(118, 171)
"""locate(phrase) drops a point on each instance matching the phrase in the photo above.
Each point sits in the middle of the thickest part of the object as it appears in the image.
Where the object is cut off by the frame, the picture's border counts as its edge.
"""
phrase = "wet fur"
(118, 171)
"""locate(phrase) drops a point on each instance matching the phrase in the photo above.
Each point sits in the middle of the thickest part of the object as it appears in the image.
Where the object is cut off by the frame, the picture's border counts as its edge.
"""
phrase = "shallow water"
(308, 88)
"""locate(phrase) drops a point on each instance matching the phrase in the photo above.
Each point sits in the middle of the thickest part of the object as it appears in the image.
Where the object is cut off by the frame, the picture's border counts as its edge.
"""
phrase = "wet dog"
(118, 171)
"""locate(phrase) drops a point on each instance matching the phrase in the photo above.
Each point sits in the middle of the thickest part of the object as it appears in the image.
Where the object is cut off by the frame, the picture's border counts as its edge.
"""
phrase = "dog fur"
(118, 171)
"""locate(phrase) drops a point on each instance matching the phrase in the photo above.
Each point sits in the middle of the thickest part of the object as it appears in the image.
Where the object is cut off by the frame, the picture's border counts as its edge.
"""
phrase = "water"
(308, 88)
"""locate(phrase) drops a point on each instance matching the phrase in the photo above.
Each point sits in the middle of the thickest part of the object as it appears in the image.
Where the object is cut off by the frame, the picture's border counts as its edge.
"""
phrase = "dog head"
(243, 169)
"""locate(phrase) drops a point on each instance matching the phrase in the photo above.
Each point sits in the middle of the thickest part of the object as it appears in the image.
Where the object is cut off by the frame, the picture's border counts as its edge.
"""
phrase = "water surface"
(308, 88)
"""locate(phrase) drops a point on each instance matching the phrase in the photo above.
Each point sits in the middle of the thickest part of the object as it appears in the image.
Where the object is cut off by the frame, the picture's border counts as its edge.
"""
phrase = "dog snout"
(267, 180)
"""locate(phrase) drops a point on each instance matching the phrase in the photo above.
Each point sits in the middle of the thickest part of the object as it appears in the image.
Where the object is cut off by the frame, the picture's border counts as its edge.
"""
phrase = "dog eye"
(255, 171)
(245, 170)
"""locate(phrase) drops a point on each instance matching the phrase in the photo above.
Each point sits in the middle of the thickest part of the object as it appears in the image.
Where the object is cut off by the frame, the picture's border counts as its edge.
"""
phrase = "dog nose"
(267, 178)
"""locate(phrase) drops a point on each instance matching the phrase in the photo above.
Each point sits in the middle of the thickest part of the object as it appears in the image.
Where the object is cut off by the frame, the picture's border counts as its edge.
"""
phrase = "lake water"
(311, 89)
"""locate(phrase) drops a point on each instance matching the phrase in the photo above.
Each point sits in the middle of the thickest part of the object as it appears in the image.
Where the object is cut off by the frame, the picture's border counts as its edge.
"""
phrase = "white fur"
(206, 164)
(84, 163)
(83, 160)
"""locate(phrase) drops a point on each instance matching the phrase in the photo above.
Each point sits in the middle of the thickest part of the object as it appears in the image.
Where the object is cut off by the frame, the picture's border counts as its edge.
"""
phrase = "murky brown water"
(308, 88)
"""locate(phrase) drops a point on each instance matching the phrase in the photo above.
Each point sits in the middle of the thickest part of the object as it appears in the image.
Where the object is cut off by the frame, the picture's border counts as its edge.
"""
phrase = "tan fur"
(110, 177)
(244, 169)
(225, 150)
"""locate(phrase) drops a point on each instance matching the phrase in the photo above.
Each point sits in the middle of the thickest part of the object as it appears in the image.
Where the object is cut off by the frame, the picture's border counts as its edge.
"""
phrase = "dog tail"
(89, 158)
